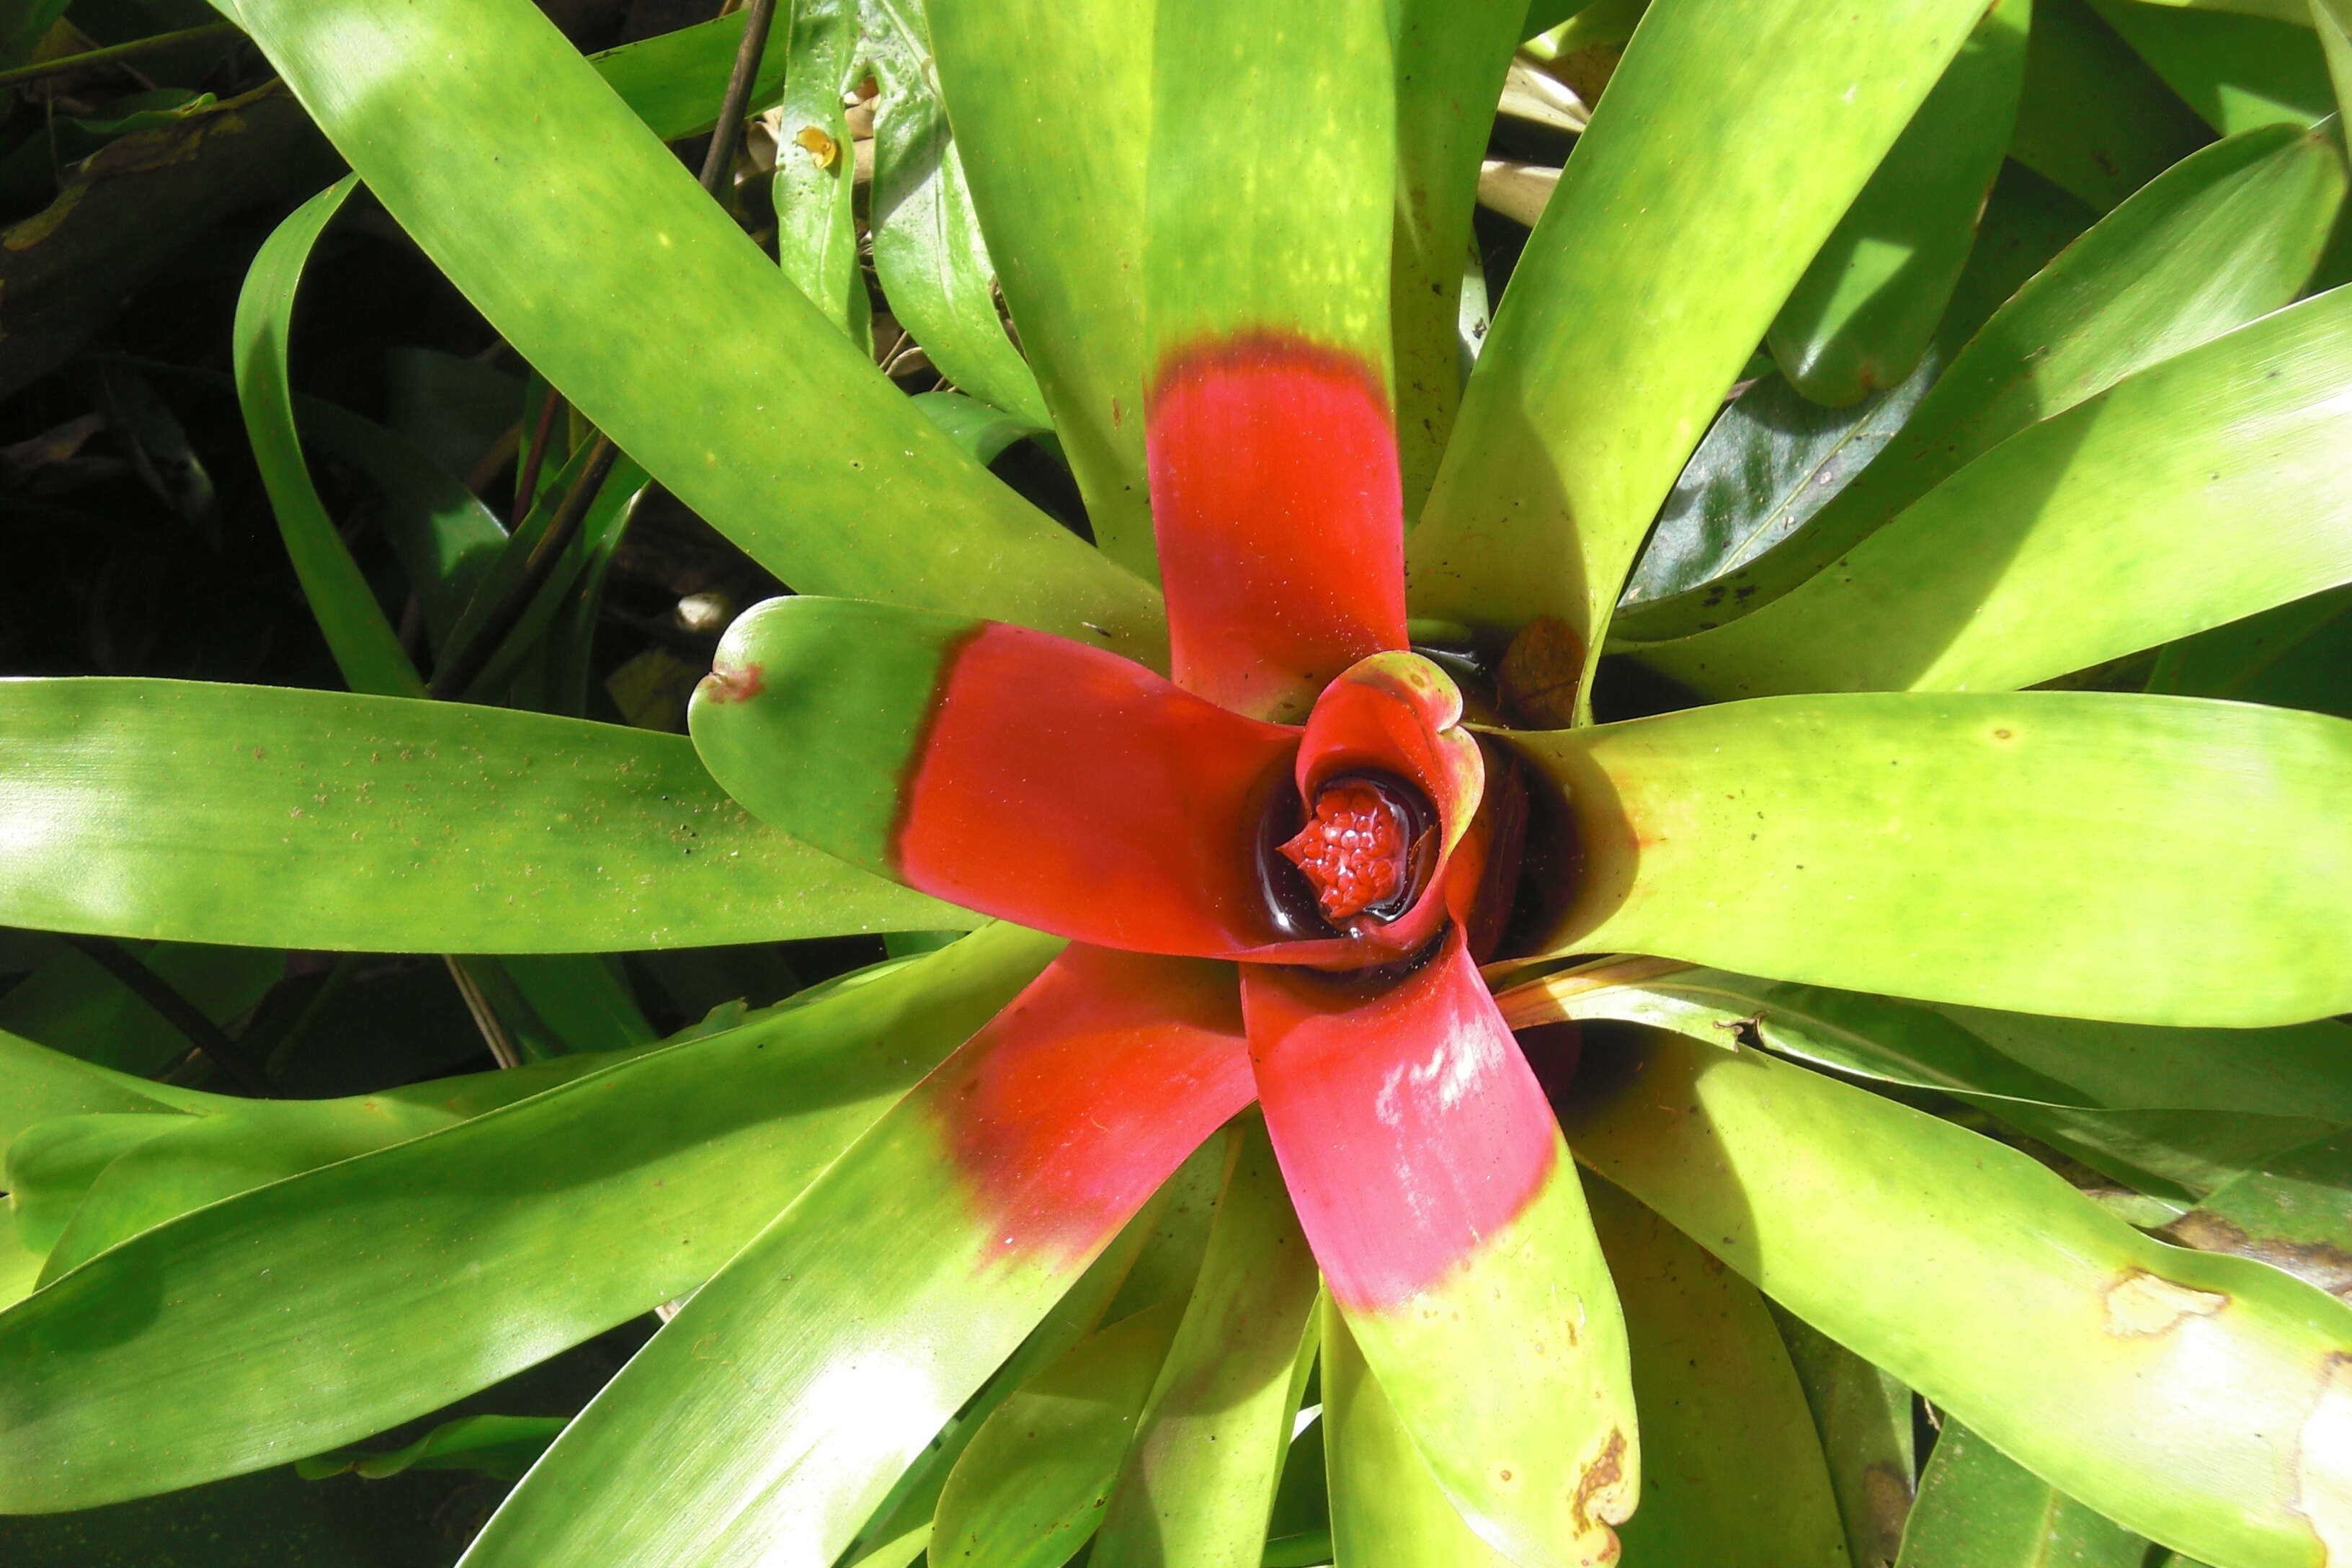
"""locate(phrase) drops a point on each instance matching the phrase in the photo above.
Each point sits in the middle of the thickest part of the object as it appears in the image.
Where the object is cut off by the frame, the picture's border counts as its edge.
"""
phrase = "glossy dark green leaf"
(1979, 1509)
(2227, 236)
(1732, 138)
(2193, 1397)
(1993, 850)
(1031, 1488)
(543, 198)
(364, 645)
(927, 252)
(2092, 118)
(2236, 71)
(314, 1311)
(1864, 312)
(2062, 548)
(1732, 1470)
(1198, 1479)
(1774, 460)
(313, 819)
(1063, 216)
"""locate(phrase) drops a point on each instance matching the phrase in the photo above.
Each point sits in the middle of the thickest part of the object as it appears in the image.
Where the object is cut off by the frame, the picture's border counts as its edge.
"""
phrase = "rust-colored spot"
(1540, 671)
(732, 683)
(2141, 1304)
(1599, 1490)
(2002, 735)
(822, 149)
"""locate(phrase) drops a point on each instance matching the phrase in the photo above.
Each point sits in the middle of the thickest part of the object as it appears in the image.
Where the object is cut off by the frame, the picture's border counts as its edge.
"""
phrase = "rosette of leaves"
(1198, 1206)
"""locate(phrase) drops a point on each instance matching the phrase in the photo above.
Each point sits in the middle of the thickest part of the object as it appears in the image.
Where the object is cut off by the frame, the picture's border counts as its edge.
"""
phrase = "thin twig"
(493, 1034)
(175, 1009)
(737, 99)
(464, 665)
(527, 481)
(114, 52)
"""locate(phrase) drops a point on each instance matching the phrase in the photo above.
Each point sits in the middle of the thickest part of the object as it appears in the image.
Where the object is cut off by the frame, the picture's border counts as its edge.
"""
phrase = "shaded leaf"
(1863, 314)
(1978, 1509)
(2092, 118)
(2236, 71)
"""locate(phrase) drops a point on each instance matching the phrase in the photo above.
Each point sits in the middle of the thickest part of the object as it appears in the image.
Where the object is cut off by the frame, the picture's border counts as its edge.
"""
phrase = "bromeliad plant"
(970, 1267)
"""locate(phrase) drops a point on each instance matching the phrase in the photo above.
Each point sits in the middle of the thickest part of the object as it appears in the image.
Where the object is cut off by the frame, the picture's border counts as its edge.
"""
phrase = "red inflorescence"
(1354, 850)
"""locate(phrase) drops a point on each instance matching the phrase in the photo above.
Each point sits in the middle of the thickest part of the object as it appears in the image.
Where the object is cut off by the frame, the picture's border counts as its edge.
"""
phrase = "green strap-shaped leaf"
(597, 255)
(2092, 118)
(2332, 20)
(928, 250)
(1732, 1472)
(1862, 315)
(1979, 1509)
(2296, 655)
(239, 1144)
(1198, 1481)
(315, 1311)
(673, 80)
(37, 1084)
(2236, 71)
(816, 225)
(2168, 1134)
(1387, 1509)
(1863, 1417)
(2082, 853)
(312, 819)
(2225, 237)
(1450, 63)
(1273, 173)
(1063, 216)
(2193, 1397)
(766, 1421)
(1732, 138)
(2189, 494)
(365, 646)
(1151, 1264)
(1031, 1488)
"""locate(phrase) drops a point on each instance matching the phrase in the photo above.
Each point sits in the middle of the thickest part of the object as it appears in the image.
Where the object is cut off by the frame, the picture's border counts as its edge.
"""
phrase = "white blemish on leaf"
(2141, 1303)
(2322, 1464)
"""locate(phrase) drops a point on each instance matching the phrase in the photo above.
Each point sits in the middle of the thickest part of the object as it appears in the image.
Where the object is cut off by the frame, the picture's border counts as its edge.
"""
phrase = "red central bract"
(1356, 850)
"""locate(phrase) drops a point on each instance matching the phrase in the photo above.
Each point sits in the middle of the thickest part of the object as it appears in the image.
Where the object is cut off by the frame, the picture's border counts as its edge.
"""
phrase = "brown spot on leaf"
(2140, 1304)
(1540, 671)
(1600, 1489)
